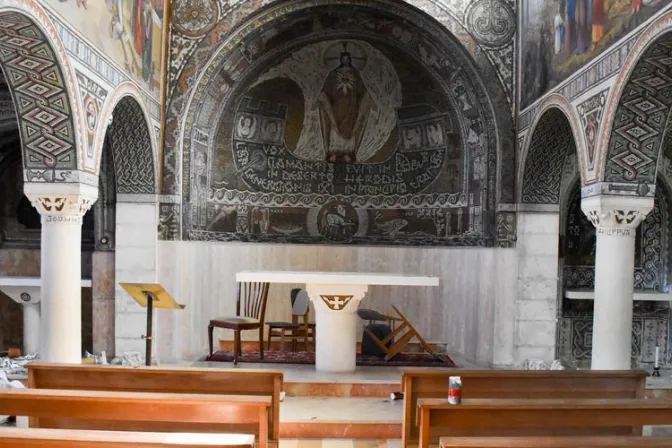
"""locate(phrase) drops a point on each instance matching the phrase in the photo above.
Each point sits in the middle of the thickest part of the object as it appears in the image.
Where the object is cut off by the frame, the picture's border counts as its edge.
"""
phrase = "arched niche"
(413, 162)
(651, 319)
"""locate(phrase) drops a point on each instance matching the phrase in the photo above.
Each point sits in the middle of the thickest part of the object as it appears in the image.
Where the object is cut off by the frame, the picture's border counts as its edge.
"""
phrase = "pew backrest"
(140, 411)
(256, 382)
(424, 383)
(556, 442)
(66, 438)
(538, 417)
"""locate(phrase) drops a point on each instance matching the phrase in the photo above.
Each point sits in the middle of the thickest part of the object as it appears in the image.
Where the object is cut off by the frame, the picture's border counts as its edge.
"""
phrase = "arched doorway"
(550, 161)
(651, 318)
(126, 244)
(38, 143)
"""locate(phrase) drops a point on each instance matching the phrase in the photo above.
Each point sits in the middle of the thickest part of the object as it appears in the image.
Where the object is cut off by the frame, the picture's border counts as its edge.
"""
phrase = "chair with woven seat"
(250, 315)
(299, 328)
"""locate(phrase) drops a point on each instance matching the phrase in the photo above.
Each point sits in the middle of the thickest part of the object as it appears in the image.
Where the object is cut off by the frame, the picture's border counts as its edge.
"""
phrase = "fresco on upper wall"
(561, 36)
(129, 32)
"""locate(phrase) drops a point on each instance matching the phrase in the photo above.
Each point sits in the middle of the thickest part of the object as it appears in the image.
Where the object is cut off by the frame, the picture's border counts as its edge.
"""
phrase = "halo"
(332, 55)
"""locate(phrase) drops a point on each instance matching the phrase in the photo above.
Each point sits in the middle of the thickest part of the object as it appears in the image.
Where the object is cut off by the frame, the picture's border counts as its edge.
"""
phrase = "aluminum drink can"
(455, 390)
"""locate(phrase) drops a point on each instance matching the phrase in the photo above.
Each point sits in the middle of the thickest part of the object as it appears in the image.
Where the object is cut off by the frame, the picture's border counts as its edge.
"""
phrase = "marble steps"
(340, 418)
(341, 389)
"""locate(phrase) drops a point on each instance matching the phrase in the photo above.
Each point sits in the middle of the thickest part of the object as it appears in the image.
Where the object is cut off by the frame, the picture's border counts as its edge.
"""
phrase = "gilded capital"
(617, 215)
(61, 202)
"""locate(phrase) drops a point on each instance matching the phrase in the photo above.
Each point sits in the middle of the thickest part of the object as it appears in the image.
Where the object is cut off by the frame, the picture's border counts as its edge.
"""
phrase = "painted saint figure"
(344, 106)
(141, 28)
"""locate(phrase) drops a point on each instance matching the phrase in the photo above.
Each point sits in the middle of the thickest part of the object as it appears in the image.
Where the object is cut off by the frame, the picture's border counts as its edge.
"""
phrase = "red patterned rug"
(286, 357)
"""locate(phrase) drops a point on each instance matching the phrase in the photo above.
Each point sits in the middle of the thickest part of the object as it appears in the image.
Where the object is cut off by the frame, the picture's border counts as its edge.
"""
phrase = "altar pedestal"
(27, 291)
(336, 297)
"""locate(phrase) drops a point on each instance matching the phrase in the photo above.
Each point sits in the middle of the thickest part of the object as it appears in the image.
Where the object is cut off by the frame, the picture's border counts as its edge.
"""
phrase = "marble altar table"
(336, 297)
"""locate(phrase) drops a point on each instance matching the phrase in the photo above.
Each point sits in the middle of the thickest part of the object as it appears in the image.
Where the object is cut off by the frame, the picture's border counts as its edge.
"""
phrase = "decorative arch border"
(124, 90)
(37, 15)
(658, 28)
(554, 101)
(240, 19)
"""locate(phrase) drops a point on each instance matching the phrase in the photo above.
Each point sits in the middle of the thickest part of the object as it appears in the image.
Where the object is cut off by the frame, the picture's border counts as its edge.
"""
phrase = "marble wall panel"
(536, 301)
(461, 312)
(136, 259)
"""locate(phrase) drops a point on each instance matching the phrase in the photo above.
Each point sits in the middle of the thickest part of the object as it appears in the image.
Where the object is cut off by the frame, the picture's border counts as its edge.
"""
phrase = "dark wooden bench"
(68, 438)
(538, 417)
(424, 383)
(556, 442)
(140, 411)
(257, 382)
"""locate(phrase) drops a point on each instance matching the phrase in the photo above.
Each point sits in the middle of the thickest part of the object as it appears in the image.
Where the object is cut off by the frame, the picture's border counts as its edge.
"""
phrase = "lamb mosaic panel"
(308, 138)
(36, 81)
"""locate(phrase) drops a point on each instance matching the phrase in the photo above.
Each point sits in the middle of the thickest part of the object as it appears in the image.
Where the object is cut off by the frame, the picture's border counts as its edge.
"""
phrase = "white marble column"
(616, 220)
(62, 207)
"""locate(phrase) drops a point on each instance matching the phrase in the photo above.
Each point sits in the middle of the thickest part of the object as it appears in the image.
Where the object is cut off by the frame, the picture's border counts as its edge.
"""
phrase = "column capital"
(617, 213)
(61, 202)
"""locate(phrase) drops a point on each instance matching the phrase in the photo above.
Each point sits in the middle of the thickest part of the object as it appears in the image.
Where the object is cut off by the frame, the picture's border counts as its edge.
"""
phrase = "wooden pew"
(140, 411)
(556, 442)
(67, 438)
(537, 417)
(258, 382)
(425, 383)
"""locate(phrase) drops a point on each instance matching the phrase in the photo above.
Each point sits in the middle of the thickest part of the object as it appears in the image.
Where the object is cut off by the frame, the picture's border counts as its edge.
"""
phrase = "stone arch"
(554, 137)
(125, 124)
(241, 18)
(479, 122)
(43, 89)
(638, 109)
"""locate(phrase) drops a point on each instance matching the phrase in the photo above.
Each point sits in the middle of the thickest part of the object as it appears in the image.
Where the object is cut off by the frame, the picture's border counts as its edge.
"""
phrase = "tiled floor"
(338, 409)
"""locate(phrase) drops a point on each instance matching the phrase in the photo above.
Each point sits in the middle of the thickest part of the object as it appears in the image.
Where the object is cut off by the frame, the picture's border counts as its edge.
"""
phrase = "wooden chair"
(401, 336)
(294, 330)
(250, 315)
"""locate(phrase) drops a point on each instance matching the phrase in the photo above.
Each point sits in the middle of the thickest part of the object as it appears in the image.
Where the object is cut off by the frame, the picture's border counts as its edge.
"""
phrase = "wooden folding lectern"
(150, 295)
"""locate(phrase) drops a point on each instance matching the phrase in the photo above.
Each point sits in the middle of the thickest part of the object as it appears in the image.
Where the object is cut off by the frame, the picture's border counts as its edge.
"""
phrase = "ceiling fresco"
(344, 125)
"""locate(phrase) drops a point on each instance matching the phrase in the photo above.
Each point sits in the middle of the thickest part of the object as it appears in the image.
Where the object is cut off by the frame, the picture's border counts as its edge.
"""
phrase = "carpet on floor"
(286, 357)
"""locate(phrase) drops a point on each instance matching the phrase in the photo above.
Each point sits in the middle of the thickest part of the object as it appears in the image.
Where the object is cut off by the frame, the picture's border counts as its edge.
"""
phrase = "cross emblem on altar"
(336, 303)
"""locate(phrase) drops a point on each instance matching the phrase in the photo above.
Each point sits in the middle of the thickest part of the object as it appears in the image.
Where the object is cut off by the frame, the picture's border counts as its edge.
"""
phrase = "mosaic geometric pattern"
(641, 117)
(132, 149)
(551, 143)
(591, 113)
(575, 338)
(93, 96)
(38, 87)
(491, 22)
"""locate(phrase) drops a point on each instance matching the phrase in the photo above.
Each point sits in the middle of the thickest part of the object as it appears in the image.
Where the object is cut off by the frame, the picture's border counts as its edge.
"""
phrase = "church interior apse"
(322, 128)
